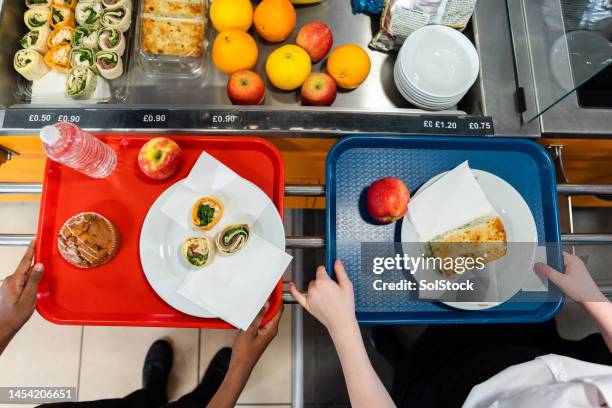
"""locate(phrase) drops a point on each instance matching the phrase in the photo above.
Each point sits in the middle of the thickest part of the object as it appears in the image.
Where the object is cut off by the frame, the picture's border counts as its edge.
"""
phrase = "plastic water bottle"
(68, 144)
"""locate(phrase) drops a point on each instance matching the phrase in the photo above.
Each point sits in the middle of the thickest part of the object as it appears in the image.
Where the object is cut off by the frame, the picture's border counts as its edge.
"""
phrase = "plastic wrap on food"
(37, 17)
(81, 82)
(36, 40)
(400, 18)
(111, 39)
(173, 35)
(30, 64)
(82, 57)
(367, 6)
(88, 14)
(109, 64)
(119, 18)
(85, 38)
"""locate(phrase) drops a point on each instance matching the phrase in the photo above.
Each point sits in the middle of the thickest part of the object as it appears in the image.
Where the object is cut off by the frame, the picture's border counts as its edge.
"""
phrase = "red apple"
(388, 199)
(316, 38)
(245, 88)
(160, 158)
(319, 89)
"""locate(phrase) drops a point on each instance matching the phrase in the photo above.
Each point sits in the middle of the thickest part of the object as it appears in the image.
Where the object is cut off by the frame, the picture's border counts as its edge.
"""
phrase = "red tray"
(118, 293)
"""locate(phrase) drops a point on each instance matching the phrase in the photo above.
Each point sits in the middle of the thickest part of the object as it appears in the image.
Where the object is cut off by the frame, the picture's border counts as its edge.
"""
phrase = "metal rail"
(319, 190)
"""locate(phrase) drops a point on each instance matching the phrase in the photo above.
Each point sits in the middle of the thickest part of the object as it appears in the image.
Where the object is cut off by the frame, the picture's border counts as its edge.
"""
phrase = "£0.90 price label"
(69, 118)
(224, 118)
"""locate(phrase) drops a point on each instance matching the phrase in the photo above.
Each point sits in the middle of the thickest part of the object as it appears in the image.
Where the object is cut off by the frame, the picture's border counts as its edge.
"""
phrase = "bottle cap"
(50, 135)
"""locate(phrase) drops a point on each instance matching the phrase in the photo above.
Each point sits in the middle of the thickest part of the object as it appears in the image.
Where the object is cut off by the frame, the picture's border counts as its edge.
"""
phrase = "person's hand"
(576, 283)
(249, 345)
(331, 303)
(18, 293)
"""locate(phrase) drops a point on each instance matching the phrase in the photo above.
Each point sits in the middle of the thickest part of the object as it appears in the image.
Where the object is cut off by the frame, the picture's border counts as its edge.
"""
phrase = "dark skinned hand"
(18, 294)
(250, 344)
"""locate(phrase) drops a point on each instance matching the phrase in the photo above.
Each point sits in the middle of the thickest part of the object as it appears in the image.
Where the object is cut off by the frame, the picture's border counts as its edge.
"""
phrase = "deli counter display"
(145, 64)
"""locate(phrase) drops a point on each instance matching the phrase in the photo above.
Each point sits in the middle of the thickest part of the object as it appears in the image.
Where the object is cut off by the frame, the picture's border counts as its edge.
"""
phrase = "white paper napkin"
(238, 286)
(233, 288)
(449, 203)
(211, 178)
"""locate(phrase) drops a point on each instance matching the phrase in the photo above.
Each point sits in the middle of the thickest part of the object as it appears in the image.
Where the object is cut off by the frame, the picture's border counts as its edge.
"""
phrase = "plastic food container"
(50, 89)
(180, 57)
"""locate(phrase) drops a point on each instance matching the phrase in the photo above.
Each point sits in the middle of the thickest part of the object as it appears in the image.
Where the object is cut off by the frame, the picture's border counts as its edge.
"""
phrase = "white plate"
(439, 61)
(160, 249)
(519, 225)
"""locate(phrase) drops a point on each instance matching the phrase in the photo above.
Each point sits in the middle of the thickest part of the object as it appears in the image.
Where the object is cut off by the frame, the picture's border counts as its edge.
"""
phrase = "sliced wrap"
(119, 18)
(30, 64)
(88, 14)
(111, 39)
(37, 3)
(37, 17)
(67, 3)
(58, 58)
(81, 82)
(198, 251)
(109, 64)
(206, 213)
(113, 4)
(36, 40)
(83, 57)
(232, 239)
(60, 36)
(85, 37)
(61, 16)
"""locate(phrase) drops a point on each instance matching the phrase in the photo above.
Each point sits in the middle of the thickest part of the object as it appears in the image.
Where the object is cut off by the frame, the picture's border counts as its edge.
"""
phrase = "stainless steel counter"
(201, 105)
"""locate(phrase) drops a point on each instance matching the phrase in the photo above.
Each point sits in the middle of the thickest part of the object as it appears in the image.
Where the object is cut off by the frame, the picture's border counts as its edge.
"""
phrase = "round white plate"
(520, 228)
(160, 249)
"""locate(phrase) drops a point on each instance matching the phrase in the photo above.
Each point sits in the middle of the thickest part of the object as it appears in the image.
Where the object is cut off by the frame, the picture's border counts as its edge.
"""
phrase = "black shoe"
(212, 379)
(156, 370)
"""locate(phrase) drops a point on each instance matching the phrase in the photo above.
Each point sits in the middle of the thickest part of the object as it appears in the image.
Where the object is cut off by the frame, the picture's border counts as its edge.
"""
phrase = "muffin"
(88, 240)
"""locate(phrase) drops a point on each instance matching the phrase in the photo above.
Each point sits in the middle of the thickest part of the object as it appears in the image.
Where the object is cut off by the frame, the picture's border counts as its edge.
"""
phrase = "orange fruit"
(349, 65)
(288, 67)
(275, 19)
(234, 50)
(226, 14)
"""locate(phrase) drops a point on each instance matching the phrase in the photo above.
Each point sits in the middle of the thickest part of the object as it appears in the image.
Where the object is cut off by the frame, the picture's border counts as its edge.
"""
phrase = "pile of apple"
(246, 87)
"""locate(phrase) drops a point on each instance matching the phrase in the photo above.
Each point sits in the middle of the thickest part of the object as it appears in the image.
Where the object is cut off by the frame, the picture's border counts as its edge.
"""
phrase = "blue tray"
(356, 161)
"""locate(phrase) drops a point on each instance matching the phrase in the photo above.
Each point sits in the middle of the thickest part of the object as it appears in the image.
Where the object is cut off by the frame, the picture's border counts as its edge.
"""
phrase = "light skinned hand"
(576, 283)
(250, 344)
(331, 303)
(18, 293)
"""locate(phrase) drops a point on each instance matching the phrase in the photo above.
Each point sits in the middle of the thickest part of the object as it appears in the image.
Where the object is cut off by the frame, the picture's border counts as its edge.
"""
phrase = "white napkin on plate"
(233, 288)
(238, 286)
(449, 203)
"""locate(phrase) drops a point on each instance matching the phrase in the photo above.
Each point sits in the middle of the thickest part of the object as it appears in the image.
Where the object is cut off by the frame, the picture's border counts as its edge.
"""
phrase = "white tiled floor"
(44, 354)
(271, 379)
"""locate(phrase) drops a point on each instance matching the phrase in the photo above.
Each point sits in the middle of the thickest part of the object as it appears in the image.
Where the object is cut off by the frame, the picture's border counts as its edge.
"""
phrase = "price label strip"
(324, 121)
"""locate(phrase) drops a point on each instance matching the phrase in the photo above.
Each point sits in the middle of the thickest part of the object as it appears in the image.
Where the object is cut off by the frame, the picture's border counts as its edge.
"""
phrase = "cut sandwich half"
(483, 239)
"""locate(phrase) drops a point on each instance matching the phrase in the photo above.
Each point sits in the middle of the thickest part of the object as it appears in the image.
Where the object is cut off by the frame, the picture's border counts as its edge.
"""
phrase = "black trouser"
(448, 361)
(145, 398)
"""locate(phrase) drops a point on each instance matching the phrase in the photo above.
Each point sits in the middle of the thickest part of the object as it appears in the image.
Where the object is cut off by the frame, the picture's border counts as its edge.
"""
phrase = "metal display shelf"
(200, 105)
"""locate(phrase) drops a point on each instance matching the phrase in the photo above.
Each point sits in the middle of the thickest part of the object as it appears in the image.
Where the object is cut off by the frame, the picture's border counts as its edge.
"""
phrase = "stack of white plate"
(436, 67)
